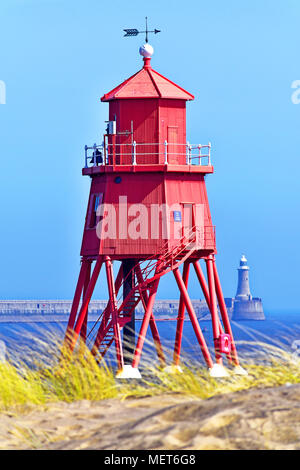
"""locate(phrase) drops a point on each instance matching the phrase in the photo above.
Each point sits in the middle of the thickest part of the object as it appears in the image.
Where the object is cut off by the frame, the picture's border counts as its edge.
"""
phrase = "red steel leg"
(213, 306)
(114, 312)
(77, 294)
(86, 301)
(106, 313)
(180, 318)
(83, 331)
(152, 322)
(193, 318)
(202, 282)
(224, 314)
(204, 287)
(145, 324)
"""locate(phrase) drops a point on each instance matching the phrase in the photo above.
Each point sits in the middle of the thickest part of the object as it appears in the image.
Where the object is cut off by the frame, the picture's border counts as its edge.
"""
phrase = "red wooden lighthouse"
(148, 213)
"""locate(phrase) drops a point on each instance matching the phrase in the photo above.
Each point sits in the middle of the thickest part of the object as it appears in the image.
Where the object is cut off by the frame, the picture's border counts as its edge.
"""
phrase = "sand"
(263, 419)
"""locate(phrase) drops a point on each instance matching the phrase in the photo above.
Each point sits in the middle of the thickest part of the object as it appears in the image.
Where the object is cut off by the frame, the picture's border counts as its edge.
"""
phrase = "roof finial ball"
(146, 52)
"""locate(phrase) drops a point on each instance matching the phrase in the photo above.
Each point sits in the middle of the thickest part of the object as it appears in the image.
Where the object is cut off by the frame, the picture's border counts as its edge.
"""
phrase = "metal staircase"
(152, 269)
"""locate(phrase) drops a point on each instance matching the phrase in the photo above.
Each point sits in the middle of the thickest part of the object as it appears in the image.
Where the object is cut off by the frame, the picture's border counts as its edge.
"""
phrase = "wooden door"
(172, 144)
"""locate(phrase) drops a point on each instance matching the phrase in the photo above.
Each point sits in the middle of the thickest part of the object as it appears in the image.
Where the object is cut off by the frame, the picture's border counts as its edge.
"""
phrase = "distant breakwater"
(40, 311)
(59, 310)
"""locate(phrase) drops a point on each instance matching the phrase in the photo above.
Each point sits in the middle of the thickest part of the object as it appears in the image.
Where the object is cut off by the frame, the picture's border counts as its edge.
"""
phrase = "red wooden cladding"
(153, 122)
(143, 211)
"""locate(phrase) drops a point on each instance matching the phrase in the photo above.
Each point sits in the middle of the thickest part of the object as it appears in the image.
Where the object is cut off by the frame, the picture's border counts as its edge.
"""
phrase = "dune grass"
(80, 378)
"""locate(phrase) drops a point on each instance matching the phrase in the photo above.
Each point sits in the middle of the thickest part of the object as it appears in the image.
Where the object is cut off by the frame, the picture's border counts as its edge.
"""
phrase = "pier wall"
(59, 310)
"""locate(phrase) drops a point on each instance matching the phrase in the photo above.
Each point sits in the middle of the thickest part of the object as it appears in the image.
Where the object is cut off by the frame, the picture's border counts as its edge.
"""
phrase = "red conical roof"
(147, 83)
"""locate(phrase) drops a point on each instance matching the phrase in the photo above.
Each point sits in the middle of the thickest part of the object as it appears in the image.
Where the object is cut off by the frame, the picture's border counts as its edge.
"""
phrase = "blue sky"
(239, 59)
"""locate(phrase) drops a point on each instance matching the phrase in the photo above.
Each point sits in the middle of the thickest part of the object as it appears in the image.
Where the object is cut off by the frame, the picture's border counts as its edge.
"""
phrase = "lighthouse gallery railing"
(136, 153)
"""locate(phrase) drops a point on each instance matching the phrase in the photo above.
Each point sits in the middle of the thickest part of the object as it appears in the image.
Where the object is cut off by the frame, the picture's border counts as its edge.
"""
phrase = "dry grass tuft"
(80, 378)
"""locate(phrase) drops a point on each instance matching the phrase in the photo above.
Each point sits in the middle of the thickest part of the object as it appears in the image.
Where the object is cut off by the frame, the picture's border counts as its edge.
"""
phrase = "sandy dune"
(253, 419)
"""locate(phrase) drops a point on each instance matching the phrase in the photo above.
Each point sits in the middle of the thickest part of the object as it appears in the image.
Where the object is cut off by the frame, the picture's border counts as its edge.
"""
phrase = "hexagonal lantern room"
(148, 210)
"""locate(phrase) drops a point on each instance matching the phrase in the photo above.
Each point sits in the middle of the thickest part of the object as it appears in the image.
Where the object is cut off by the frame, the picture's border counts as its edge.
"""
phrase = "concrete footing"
(128, 372)
(217, 370)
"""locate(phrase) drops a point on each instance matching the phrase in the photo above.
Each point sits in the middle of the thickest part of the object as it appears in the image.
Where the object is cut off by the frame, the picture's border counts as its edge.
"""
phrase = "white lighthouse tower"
(243, 288)
(246, 307)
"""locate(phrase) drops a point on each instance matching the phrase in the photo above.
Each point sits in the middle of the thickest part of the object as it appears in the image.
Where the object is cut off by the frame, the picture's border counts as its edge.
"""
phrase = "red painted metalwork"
(104, 317)
(114, 312)
(153, 327)
(225, 319)
(83, 331)
(180, 318)
(77, 295)
(193, 318)
(85, 303)
(213, 306)
(145, 323)
(148, 203)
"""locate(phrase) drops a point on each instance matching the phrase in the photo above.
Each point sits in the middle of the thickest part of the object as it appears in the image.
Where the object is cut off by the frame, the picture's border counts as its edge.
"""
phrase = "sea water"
(36, 342)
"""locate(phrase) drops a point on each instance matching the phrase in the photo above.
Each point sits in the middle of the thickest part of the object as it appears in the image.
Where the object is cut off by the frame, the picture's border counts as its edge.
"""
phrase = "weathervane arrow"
(135, 32)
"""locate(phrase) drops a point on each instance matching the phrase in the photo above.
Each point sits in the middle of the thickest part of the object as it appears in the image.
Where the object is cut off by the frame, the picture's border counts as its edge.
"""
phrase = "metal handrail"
(98, 155)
